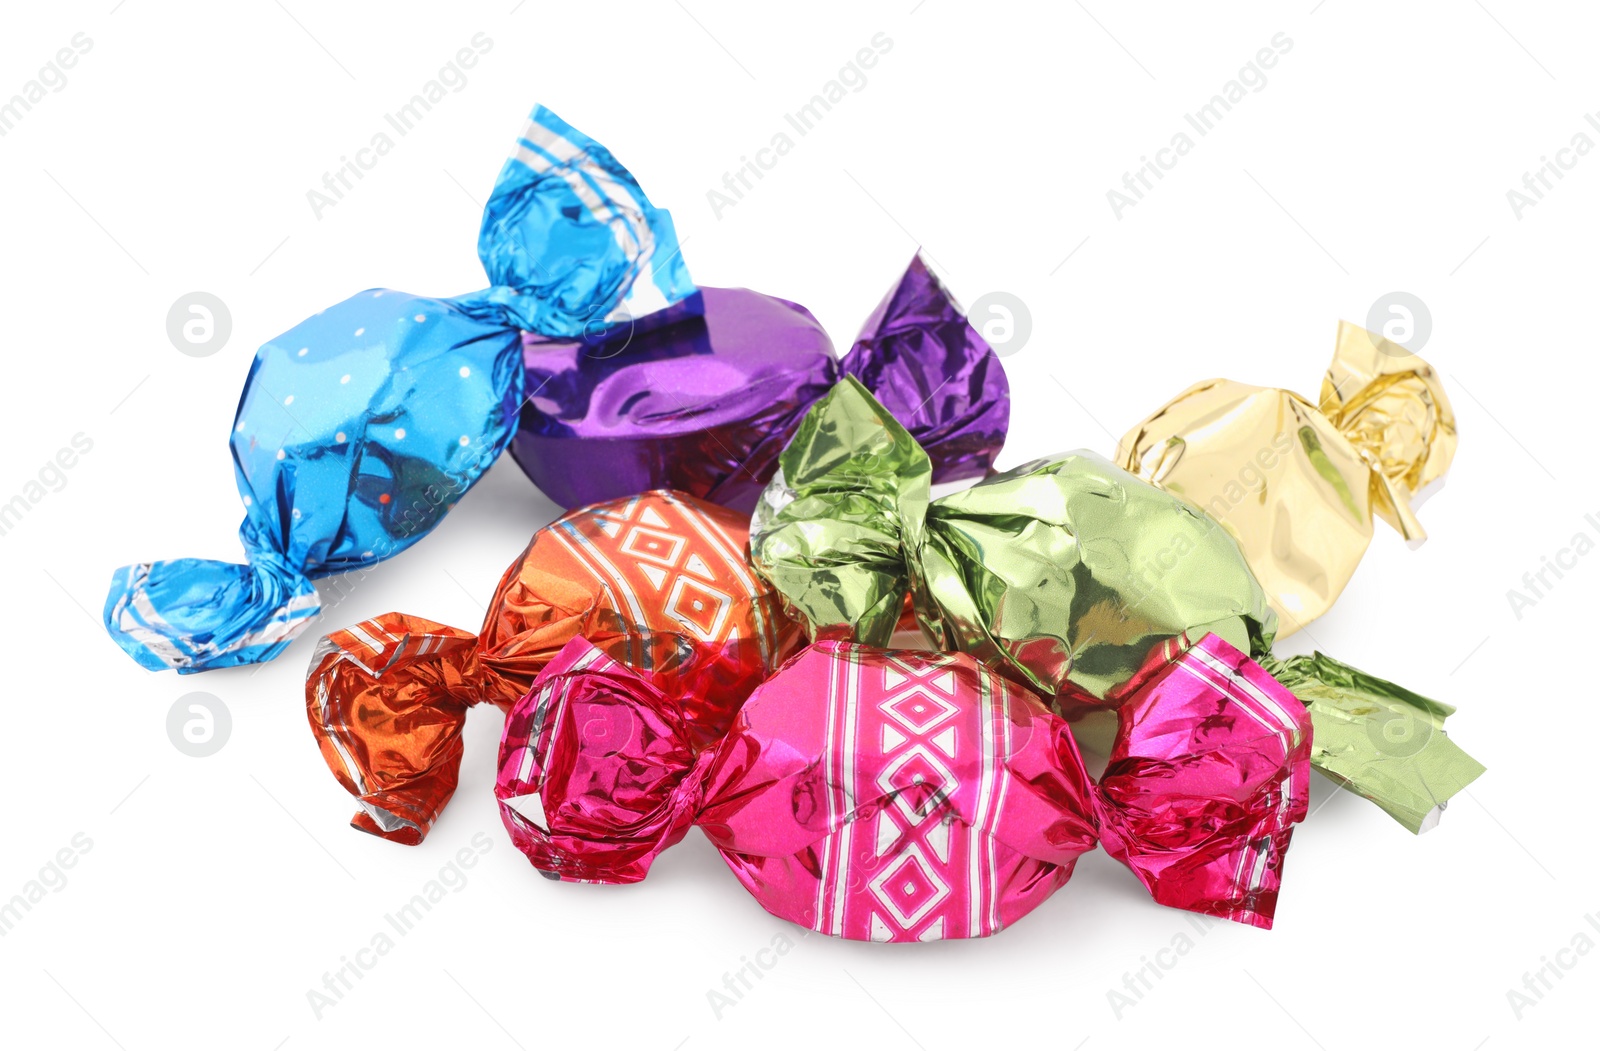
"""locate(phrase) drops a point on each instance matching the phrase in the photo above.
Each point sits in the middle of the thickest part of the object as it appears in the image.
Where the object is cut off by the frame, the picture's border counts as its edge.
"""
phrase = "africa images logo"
(852, 76)
(52, 478)
(1251, 79)
(52, 76)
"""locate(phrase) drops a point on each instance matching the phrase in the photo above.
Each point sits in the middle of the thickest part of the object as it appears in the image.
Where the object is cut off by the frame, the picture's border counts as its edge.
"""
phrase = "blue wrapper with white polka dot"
(361, 427)
(358, 430)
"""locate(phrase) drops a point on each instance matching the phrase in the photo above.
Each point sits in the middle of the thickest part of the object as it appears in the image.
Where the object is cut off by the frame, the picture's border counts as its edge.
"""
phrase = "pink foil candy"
(896, 795)
(892, 795)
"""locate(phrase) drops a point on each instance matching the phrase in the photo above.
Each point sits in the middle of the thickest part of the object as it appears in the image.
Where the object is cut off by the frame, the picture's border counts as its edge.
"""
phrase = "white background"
(1377, 157)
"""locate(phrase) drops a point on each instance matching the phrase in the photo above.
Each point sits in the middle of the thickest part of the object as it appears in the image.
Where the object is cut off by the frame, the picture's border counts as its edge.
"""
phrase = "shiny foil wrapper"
(904, 796)
(1197, 798)
(596, 769)
(657, 581)
(705, 405)
(359, 428)
(1069, 575)
(1297, 483)
(1379, 739)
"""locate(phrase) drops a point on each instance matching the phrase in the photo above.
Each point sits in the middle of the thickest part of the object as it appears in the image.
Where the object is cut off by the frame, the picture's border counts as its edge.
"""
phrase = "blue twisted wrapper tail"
(359, 428)
(572, 246)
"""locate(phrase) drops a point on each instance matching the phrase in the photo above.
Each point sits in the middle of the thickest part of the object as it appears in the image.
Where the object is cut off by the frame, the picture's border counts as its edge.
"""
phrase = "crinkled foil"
(1068, 574)
(658, 581)
(704, 405)
(1297, 484)
(1378, 739)
(906, 796)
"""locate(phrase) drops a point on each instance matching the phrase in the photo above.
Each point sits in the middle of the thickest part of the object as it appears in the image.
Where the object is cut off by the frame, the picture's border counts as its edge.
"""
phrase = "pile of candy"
(666, 659)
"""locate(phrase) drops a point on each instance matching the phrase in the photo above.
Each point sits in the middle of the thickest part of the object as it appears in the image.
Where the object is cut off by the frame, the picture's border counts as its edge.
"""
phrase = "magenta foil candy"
(705, 404)
(896, 795)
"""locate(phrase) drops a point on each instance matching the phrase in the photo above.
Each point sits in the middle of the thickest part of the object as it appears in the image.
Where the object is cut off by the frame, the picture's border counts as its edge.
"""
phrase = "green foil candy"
(1069, 575)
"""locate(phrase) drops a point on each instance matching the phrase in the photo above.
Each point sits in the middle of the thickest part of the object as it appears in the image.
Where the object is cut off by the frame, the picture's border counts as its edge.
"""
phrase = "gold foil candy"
(1297, 484)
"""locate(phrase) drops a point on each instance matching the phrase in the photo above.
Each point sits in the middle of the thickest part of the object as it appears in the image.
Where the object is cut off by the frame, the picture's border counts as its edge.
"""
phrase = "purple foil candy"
(706, 404)
(703, 406)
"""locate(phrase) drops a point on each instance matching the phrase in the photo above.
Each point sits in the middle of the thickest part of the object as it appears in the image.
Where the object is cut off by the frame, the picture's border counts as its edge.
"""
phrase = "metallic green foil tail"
(1377, 739)
(833, 527)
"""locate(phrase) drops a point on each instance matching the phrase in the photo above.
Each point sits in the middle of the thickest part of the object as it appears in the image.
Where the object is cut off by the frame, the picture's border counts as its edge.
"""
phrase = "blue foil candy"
(359, 428)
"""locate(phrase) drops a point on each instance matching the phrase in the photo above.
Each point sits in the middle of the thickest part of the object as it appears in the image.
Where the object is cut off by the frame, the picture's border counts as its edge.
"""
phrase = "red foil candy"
(894, 795)
(657, 581)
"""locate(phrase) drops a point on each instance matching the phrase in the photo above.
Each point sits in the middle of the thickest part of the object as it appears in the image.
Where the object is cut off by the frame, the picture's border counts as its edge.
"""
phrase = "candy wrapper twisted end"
(396, 749)
(571, 244)
(360, 427)
(1208, 775)
(1392, 407)
(595, 770)
(925, 363)
(1297, 483)
(830, 529)
(1068, 575)
(894, 795)
(1378, 739)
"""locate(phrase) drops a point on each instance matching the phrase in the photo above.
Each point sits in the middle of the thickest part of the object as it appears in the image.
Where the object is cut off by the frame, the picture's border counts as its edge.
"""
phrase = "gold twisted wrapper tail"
(1297, 484)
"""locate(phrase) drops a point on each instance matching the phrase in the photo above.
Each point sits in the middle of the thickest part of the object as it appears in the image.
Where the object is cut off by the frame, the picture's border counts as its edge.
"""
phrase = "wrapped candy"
(1068, 575)
(659, 581)
(1297, 484)
(895, 795)
(704, 406)
(361, 426)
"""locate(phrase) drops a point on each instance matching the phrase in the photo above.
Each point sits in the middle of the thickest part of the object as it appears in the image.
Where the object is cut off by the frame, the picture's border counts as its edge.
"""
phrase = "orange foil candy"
(659, 582)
